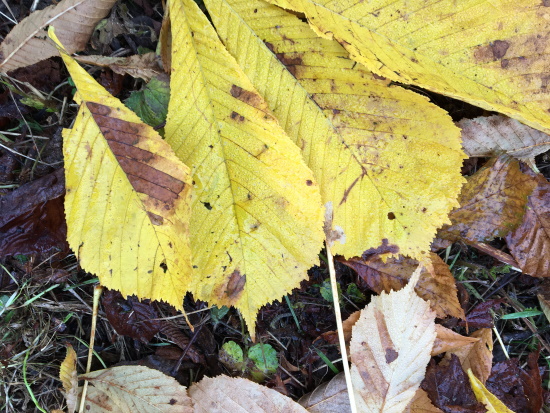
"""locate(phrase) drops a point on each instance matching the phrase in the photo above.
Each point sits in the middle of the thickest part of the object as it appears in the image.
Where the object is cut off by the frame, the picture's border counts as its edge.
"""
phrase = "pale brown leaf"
(438, 287)
(224, 394)
(529, 244)
(421, 403)
(448, 340)
(74, 22)
(69, 379)
(390, 348)
(133, 389)
(143, 66)
(495, 135)
(329, 397)
(492, 202)
(477, 356)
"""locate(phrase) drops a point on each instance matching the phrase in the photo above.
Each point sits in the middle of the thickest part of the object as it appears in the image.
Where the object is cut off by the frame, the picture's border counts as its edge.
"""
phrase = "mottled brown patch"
(499, 48)
(504, 63)
(231, 291)
(246, 96)
(290, 61)
(237, 117)
(546, 3)
(155, 219)
(391, 355)
(385, 248)
(122, 136)
(270, 46)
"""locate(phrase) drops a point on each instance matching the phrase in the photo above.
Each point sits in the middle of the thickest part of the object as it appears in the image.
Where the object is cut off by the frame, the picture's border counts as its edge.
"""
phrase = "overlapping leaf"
(492, 55)
(385, 157)
(484, 396)
(74, 21)
(127, 200)
(256, 225)
(478, 355)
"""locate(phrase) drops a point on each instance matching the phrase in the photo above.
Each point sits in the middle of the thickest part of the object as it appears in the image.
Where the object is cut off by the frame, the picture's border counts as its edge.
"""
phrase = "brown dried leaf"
(543, 294)
(69, 379)
(74, 22)
(439, 288)
(236, 395)
(492, 202)
(480, 316)
(447, 340)
(421, 403)
(477, 356)
(495, 135)
(131, 317)
(143, 66)
(390, 348)
(530, 242)
(329, 397)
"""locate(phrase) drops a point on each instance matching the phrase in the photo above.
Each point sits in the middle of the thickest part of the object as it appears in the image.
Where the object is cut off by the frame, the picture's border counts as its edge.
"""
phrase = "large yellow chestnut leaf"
(127, 198)
(256, 225)
(490, 53)
(386, 158)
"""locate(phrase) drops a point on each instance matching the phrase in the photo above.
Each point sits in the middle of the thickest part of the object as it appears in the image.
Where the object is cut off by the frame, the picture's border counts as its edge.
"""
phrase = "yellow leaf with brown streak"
(256, 226)
(127, 199)
(386, 158)
(491, 53)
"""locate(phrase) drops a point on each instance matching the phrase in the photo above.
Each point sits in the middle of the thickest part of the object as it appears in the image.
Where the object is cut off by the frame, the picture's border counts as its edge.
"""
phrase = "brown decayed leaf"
(131, 317)
(143, 66)
(329, 397)
(421, 403)
(439, 288)
(477, 356)
(132, 389)
(543, 294)
(492, 202)
(530, 242)
(32, 219)
(69, 379)
(224, 394)
(390, 348)
(521, 391)
(74, 22)
(449, 389)
(448, 340)
(497, 134)
(480, 317)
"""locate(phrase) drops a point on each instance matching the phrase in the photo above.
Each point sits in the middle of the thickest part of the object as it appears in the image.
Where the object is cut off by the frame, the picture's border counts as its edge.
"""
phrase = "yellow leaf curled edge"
(127, 198)
(484, 396)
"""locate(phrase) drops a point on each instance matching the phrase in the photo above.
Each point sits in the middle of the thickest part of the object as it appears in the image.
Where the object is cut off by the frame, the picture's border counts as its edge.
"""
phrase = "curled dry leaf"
(132, 389)
(329, 397)
(530, 242)
(492, 203)
(143, 66)
(388, 354)
(477, 356)
(543, 294)
(74, 21)
(496, 135)
(438, 287)
(224, 394)
(69, 379)
(448, 341)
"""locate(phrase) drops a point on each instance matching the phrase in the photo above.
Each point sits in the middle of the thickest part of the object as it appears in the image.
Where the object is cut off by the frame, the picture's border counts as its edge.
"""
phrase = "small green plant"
(261, 360)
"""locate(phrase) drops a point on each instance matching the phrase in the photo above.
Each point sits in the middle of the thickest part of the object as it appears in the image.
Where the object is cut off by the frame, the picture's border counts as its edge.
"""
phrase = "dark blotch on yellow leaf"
(499, 48)
(231, 291)
(385, 248)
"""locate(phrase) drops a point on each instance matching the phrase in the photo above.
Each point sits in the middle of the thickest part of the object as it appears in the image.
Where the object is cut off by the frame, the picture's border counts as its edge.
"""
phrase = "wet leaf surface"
(32, 219)
(480, 317)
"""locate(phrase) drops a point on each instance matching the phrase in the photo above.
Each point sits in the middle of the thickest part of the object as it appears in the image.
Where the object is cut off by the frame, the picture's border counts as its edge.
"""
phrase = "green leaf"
(151, 103)
(265, 361)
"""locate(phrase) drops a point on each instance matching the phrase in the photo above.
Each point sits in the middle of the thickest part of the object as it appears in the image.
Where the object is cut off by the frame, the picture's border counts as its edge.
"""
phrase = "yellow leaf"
(484, 396)
(492, 54)
(390, 349)
(127, 200)
(256, 226)
(387, 159)
(69, 379)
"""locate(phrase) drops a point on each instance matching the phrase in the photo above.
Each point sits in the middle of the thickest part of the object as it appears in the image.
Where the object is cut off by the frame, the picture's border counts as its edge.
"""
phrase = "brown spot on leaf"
(237, 117)
(309, 182)
(391, 216)
(231, 291)
(246, 96)
(290, 61)
(499, 48)
(391, 355)
(155, 219)
(504, 63)
(546, 3)
(382, 249)
(173, 401)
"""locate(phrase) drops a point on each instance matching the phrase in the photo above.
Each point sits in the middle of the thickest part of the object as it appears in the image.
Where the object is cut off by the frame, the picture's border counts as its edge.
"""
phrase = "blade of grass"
(27, 385)
(293, 313)
(327, 361)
